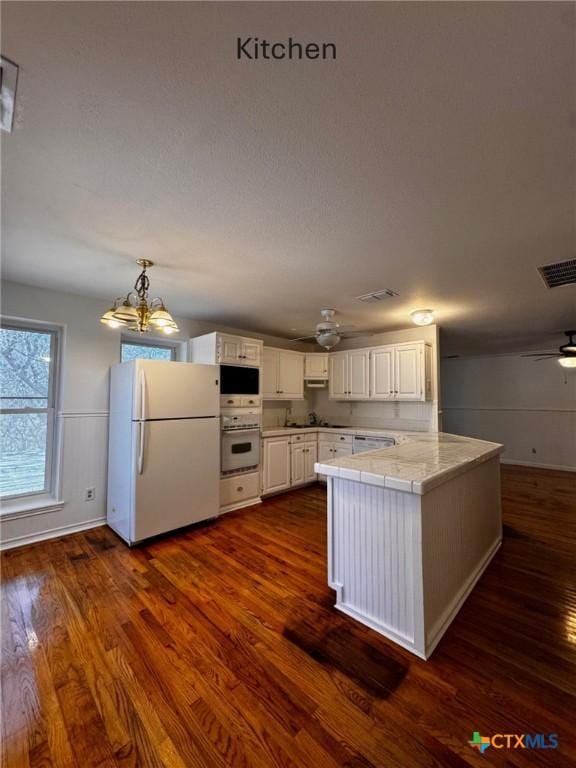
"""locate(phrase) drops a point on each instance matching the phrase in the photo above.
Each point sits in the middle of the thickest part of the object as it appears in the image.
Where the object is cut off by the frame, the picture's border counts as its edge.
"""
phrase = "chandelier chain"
(142, 284)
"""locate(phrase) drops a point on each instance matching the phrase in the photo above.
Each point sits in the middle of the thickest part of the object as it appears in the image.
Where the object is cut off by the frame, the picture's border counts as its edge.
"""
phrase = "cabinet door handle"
(230, 402)
(240, 488)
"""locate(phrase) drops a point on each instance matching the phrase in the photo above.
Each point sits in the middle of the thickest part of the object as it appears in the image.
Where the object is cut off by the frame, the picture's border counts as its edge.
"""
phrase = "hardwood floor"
(220, 647)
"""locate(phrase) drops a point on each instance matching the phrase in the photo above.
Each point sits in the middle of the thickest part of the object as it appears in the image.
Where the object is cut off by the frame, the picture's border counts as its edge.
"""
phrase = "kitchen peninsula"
(411, 529)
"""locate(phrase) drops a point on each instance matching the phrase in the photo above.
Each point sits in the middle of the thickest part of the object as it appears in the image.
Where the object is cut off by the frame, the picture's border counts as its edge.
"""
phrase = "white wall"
(528, 406)
(89, 349)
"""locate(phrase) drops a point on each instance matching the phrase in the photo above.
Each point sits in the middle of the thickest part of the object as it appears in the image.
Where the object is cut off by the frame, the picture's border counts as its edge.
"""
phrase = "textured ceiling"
(435, 156)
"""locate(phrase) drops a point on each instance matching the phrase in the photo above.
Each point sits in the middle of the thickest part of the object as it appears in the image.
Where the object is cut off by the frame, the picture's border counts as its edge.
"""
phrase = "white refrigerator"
(164, 447)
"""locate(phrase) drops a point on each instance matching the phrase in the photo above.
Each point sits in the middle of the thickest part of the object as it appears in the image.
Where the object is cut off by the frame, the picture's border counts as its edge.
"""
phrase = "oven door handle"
(238, 431)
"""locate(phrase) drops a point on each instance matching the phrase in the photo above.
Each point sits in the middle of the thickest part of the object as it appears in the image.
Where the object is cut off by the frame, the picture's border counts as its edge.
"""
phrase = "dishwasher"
(361, 443)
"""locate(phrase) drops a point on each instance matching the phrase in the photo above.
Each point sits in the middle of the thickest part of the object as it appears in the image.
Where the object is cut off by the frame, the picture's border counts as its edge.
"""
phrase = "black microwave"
(239, 380)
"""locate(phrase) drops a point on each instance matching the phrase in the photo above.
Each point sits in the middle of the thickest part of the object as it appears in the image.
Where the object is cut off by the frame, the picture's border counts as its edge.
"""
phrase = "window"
(133, 350)
(28, 357)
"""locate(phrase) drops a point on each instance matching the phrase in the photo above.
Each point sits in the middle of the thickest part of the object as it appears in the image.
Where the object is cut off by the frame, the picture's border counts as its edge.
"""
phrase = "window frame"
(51, 461)
(173, 346)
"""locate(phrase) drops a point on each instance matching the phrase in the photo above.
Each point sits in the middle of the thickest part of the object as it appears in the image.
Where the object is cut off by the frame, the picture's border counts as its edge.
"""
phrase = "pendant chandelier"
(134, 313)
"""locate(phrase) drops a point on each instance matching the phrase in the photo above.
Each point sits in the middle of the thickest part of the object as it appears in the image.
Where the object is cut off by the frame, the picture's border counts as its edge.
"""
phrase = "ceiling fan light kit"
(135, 313)
(566, 354)
(328, 332)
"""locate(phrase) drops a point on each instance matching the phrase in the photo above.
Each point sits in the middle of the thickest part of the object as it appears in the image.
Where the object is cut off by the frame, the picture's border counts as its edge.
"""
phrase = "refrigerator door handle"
(141, 438)
(142, 395)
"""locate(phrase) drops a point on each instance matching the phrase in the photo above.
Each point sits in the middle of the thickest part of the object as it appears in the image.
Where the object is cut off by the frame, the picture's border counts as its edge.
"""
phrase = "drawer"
(309, 437)
(248, 400)
(239, 488)
(327, 437)
(230, 401)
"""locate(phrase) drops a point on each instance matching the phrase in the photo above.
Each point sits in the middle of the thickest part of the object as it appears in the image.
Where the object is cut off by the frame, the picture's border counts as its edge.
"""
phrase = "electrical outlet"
(89, 494)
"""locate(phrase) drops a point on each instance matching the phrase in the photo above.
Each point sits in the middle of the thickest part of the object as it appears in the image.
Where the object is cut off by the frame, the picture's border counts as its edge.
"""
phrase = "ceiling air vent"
(371, 298)
(561, 273)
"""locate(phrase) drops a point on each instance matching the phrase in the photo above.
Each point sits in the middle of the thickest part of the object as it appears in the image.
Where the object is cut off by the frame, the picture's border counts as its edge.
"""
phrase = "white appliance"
(240, 441)
(361, 443)
(163, 457)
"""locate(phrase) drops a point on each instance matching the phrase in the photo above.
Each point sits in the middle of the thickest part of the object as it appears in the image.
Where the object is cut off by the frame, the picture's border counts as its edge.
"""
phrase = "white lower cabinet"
(276, 464)
(310, 458)
(303, 456)
(239, 490)
(297, 468)
(288, 462)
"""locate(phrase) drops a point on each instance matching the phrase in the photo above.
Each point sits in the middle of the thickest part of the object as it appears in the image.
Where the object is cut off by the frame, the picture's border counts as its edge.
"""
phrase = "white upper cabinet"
(391, 372)
(290, 374)
(269, 373)
(283, 374)
(316, 366)
(226, 349)
(408, 362)
(350, 375)
(338, 388)
(382, 373)
(252, 352)
(359, 374)
(229, 349)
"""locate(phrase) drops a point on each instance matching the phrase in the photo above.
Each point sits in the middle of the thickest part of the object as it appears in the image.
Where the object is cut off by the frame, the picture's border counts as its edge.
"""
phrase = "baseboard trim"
(240, 505)
(538, 465)
(53, 533)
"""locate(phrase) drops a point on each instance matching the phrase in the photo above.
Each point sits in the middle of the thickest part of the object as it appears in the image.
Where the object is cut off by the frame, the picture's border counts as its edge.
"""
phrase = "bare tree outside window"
(27, 409)
(146, 352)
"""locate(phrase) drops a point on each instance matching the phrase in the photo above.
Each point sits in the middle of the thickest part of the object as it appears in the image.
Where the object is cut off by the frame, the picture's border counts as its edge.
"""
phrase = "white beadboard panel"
(84, 452)
(374, 558)
(402, 563)
(461, 531)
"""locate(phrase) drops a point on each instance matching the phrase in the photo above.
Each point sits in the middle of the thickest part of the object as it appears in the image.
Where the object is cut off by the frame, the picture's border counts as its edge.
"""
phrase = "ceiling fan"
(566, 354)
(328, 332)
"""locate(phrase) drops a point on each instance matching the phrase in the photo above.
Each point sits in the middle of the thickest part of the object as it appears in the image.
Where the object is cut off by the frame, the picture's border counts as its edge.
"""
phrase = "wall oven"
(239, 380)
(240, 449)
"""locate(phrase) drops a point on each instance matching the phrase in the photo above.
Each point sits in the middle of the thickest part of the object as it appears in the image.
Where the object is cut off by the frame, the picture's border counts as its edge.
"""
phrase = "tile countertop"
(279, 431)
(419, 462)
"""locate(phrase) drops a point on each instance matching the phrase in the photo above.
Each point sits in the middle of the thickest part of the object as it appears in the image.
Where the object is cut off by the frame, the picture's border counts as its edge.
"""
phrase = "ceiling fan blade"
(301, 338)
(353, 334)
(542, 354)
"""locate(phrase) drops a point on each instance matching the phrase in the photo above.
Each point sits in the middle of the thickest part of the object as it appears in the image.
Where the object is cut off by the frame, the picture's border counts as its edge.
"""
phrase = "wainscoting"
(536, 437)
(83, 454)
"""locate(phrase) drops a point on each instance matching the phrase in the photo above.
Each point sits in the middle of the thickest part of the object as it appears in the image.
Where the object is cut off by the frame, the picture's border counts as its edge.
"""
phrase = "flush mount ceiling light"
(422, 316)
(133, 311)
